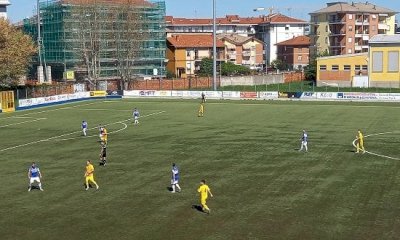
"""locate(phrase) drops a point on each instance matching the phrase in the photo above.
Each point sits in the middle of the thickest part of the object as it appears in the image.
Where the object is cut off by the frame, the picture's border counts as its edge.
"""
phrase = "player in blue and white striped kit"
(136, 116)
(84, 127)
(34, 175)
(175, 178)
(304, 141)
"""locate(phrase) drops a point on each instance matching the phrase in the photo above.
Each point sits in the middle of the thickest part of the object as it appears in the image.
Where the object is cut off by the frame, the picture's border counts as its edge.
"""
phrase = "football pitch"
(247, 151)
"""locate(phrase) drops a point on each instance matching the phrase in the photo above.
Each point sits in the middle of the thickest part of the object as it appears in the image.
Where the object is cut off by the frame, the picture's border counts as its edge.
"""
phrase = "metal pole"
(214, 46)
(38, 35)
(266, 57)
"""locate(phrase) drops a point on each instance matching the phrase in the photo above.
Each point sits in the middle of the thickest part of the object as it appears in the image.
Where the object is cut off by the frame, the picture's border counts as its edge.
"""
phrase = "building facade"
(246, 51)
(185, 52)
(106, 36)
(277, 28)
(230, 24)
(341, 70)
(384, 58)
(295, 52)
(345, 28)
(3, 8)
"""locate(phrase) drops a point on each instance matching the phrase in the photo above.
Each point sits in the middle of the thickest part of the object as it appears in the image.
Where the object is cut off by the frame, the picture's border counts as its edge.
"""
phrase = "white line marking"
(376, 154)
(19, 123)
(67, 134)
(90, 136)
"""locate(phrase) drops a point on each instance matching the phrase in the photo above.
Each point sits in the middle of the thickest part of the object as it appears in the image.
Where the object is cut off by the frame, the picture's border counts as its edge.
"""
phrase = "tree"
(87, 31)
(279, 64)
(310, 71)
(206, 67)
(16, 51)
(129, 38)
(229, 68)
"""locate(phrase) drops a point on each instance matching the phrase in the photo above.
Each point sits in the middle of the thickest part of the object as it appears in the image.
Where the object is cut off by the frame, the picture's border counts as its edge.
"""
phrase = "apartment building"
(345, 28)
(295, 52)
(234, 24)
(246, 51)
(185, 52)
(277, 28)
(3, 8)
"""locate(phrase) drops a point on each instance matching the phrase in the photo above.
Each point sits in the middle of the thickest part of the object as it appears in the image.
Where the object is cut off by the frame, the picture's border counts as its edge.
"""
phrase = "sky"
(21, 9)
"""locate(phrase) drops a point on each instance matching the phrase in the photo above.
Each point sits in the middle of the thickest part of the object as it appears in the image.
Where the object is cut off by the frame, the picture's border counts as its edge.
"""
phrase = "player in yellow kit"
(360, 142)
(104, 135)
(89, 175)
(201, 110)
(204, 190)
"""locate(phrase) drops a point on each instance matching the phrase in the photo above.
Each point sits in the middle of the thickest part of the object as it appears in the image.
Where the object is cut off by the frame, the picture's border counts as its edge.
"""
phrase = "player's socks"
(179, 188)
(97, 187)
(173, 188)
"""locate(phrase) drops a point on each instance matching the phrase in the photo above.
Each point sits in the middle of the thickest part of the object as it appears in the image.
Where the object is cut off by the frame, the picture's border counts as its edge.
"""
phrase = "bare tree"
(87, 17)
(129, 39)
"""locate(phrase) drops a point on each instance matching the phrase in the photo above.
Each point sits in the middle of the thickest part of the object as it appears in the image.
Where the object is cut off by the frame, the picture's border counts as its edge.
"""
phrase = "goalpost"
(7, 101)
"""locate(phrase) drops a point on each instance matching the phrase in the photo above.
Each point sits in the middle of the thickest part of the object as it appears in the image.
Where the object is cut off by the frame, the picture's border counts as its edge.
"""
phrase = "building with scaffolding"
(100, 39)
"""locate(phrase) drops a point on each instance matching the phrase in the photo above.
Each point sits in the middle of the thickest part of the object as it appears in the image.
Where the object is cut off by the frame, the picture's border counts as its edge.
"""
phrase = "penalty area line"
(67, 134)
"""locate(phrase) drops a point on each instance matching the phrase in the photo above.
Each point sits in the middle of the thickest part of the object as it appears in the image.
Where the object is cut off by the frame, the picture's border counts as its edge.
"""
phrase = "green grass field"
(247, 151)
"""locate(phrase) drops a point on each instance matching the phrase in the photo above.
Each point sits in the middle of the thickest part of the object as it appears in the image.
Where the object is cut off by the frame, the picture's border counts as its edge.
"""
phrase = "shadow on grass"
(197, 207)
(169, 189)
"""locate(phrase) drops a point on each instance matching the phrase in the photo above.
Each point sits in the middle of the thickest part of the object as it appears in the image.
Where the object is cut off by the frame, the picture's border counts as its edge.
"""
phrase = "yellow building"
(384, 61)
(342, 70)
(185, 52)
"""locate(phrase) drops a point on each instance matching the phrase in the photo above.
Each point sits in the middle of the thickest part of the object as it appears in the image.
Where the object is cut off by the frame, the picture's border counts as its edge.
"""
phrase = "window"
(335, 67)
(393, 61)
(357, 67)
(350, 16)
(326, 28)
(349, 50)
(299, 58)
(322, 67)
(365, 67)
(377, 61)
(350, 40)
(326, 40)
(347, 67)
(188, 53)
(350, 28)
(287, 27)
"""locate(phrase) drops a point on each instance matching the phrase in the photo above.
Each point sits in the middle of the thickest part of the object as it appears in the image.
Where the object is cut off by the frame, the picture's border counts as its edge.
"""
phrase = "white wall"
(278, 34)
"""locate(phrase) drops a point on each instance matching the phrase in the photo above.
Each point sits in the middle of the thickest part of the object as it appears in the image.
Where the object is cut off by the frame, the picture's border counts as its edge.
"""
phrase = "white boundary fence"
(323, 96)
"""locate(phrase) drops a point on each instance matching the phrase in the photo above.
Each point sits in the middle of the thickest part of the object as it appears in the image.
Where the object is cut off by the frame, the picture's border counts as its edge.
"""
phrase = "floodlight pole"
(214, 45)
(38, 35)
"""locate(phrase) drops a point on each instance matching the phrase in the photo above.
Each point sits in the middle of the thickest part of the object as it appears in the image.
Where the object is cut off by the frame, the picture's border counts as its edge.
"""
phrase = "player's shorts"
(304, 143)
(33, 179)
(90, 178)
(104, 155)
(174, 181)
(136, 117)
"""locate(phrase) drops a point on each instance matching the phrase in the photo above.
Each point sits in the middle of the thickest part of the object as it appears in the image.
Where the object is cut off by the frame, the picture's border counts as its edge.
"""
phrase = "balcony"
(338, 46)
(357, 48)
(338, 33)
(383, 26)
(246, 53)
(362, 23)
(337, 21)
